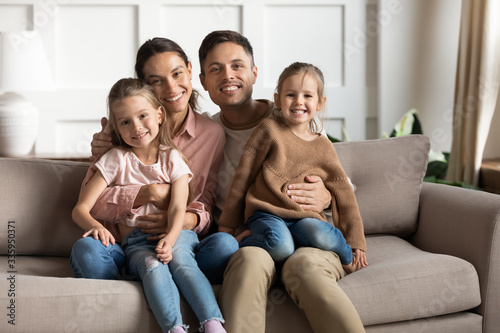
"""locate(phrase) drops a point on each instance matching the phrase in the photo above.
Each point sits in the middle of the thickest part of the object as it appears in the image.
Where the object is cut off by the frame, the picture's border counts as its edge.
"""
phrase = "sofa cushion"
(388, 175)
(38, 202)
(402, 282)
(48, 299)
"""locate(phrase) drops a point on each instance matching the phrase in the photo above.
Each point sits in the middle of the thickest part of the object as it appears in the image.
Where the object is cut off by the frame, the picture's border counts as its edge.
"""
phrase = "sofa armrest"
(466, 224)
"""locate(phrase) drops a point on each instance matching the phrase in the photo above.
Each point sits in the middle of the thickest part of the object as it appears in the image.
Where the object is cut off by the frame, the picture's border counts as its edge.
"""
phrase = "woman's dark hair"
(160, 45)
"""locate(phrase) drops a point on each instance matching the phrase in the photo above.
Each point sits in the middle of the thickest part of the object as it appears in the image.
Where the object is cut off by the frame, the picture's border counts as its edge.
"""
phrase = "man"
(228, 73)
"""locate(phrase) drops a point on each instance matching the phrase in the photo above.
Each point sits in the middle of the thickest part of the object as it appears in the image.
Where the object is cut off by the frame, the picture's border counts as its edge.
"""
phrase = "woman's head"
(300, 84)
(163, 64)
(136, 115)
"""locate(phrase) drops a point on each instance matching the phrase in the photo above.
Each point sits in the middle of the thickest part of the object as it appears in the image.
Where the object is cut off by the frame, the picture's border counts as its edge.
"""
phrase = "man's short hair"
(221, 36)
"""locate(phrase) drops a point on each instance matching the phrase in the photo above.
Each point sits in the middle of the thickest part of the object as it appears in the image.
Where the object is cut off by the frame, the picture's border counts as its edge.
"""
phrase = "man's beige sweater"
(273, 158)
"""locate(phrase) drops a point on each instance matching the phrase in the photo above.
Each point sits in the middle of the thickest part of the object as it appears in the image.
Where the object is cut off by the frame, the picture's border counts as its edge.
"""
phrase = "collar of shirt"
(189, 126)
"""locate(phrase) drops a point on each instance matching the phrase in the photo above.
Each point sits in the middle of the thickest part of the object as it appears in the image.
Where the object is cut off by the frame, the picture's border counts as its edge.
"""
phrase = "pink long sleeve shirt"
(202, 141)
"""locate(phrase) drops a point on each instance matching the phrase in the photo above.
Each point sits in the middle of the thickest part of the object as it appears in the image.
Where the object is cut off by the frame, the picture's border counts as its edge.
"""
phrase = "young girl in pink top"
(145, 154)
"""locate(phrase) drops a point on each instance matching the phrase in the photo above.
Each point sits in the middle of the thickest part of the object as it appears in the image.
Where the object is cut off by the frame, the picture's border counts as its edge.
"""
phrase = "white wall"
(418, 48)
(380, 58)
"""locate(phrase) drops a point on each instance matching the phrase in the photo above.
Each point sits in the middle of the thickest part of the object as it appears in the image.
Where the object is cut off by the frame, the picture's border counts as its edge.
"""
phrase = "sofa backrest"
(388, 175)
(37, 196)
(36, 199)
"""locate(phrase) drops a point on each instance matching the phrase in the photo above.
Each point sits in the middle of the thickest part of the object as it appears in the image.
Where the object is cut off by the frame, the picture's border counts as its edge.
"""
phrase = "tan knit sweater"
(273, 158)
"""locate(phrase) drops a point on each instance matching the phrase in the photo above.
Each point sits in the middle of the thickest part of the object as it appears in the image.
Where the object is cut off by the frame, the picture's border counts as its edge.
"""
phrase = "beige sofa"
(433, 252)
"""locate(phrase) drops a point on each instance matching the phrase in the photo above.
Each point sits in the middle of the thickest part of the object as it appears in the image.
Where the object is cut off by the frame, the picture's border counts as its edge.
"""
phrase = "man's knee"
(253, 260)
(308, 264)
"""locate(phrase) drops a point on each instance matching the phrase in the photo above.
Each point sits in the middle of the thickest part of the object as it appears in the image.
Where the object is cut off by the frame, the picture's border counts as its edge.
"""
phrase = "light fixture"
(23, 68)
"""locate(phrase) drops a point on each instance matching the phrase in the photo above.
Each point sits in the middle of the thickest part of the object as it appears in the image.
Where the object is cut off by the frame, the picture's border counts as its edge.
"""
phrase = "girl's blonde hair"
(315, 125)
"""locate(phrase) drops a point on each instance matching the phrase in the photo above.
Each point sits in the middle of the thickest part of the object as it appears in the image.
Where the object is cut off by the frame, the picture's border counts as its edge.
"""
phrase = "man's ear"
(202, 80)
(254, 74)
(277, 101)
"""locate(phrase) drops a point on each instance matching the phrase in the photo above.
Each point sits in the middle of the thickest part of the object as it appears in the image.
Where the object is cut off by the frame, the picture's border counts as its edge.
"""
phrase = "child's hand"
(227, 230)
(358, 261)
(164, 251)
(360, 258)
(100, 232)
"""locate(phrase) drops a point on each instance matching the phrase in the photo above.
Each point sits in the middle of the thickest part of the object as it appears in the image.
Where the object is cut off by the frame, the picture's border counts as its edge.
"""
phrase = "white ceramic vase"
(18, 125)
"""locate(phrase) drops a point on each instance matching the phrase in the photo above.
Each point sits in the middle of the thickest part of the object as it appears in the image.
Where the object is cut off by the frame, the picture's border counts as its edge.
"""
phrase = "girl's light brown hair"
(130, 87)
(315, 125)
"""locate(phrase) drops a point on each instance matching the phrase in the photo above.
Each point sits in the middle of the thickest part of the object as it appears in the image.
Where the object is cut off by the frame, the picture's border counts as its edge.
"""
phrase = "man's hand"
(311, 195)
(101, 142)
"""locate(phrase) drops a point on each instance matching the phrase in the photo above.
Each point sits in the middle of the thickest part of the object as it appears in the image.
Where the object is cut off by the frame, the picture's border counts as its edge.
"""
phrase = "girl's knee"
(282, 252)
(86, 245)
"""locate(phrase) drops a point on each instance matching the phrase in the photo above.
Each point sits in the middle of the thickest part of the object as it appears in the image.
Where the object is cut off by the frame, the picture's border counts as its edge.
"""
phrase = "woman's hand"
(155, 224)
(100, 232)
(101, 142)
(157, 194)
(311, 195)
(226, 229)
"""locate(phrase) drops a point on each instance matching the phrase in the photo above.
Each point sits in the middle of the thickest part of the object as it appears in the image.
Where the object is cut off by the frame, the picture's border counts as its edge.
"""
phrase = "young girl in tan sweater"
(282, 150)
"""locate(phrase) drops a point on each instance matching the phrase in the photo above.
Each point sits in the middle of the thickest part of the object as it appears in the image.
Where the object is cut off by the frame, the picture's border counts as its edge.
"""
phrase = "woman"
(165, 66)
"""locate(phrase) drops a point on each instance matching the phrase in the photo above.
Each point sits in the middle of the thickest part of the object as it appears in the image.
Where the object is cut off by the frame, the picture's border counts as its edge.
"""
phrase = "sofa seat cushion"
(48, 299)
(402, 282)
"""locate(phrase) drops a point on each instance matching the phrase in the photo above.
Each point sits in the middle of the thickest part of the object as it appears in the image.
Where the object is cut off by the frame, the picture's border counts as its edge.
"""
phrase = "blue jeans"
(161, 281)
(280, 236)
(92, 260)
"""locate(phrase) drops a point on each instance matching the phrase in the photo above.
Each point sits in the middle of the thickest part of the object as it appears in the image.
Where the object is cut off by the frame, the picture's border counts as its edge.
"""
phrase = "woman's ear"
(190, 70)
(161, 112)
(277, 101)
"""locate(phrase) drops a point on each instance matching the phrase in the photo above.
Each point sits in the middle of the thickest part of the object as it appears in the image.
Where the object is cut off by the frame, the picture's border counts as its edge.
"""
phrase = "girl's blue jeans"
(91, 259)
(280, 236)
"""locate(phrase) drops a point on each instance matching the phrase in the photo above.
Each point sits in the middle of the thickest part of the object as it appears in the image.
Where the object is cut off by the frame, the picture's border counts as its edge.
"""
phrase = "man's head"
(228, 71)
(222, 36)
